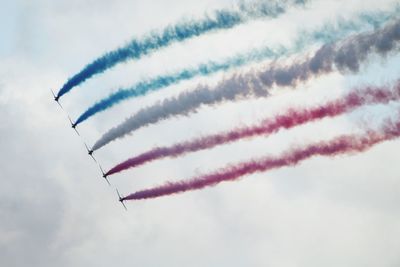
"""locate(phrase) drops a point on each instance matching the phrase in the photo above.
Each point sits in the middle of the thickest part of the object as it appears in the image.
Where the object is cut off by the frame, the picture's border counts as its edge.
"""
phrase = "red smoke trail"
(289, 119)
(342, 145)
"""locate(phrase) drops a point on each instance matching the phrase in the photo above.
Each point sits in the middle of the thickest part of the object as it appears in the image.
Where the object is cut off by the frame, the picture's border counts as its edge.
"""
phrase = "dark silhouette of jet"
(121, 199)
(104, 175)
(56, 98)
(90, 152)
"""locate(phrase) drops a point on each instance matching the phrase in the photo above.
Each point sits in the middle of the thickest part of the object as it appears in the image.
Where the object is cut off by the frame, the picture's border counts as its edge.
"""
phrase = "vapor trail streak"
(345, 55)
(346, 144)
(329, 32)
(286, 120)
(135, 49)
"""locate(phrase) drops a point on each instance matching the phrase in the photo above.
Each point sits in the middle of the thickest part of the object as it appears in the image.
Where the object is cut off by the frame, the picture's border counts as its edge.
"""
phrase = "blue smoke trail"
(326, 34)
(223, 19)
(142, 88)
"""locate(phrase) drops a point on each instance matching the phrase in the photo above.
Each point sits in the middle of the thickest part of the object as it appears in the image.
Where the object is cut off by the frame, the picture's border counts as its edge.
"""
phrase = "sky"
(55, 210)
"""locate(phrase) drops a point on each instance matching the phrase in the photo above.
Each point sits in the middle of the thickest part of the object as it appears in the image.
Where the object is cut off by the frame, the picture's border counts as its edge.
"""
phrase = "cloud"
(57, 211)
(31, 202)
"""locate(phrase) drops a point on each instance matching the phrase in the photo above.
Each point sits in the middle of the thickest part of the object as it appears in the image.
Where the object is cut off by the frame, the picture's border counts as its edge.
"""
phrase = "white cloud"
(56, 211)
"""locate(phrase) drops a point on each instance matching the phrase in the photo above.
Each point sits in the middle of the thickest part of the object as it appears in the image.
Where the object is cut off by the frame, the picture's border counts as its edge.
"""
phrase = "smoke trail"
(286, 120)
(223, 19)
(345, 144)
(326, 34)
(160, 82)
(346, 55)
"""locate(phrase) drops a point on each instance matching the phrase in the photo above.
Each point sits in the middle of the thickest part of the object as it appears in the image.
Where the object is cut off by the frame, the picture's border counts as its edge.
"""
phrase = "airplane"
(121, 199)
(104, 175)
(56, 98)
(73, 125)
(90, 152)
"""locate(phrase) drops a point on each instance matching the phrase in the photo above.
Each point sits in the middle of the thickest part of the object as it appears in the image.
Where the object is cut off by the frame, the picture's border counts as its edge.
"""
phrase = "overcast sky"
(55, 210)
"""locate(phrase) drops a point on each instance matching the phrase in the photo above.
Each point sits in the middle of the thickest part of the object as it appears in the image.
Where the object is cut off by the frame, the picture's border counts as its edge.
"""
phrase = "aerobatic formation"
(341, 46)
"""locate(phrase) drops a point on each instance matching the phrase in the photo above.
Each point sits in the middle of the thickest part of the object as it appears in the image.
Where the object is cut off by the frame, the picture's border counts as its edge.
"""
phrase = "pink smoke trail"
(346, 144)
(287, 120)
